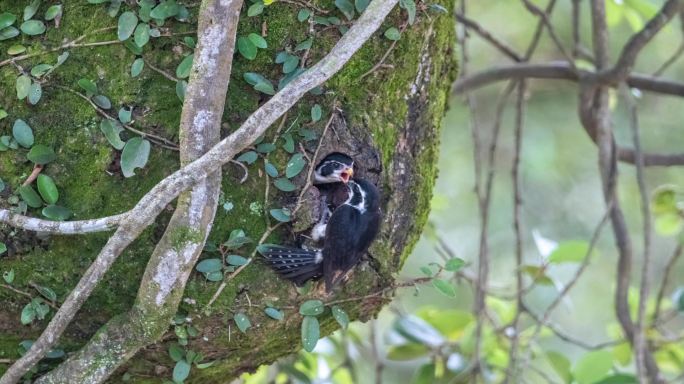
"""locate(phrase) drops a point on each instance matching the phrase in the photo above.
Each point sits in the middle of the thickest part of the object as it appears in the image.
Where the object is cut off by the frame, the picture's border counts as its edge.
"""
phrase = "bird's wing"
(341, 241)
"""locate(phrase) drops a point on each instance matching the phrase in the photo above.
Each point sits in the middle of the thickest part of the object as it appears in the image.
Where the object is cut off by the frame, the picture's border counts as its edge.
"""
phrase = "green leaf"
(214, 276)
(248, 157)
(560, 364)
(444, 287)
(242, 322)
(393, 34)
(133, 47)
(134, 155)
(282, 214)
(41, 154)
(425, 374)
(404, 352)
(165, 9)
(181, 87)
(57, 213)
(284, 185)
(537, 274)
(6, 19)
(410, 7)
(31, 9)
(593, 366)
(361, 5)
(236, 260)
(183, 69)
(8, 276)
(16, 49)
(341, 316)
(209, 265)
(266, 148)
(418, 330)
(237, 239)
(181, 371)
(22, 133)
(23, 86)
(668, 224)
(8, 33)
(310, 333)
(47, 189)
(35, 93)
(312, 308)
(176, 352)
(664, 200)
(125, 115)
(102, 101)
(255, 9)
(454, 264)
(265, 87)
(46, 292)
(33, 27)
(190, 42)
(257, 40)
(29, 195)
(274, 313)
(247, 48)
(270, 169)
(290, 64)
(53, 12)
(111, 129)
(127, 23)
(253, 78)
(295, 165)
(569, 252)
(620, 378)
(304, 45)
(346, 7)
(289, 144)
(88, 86)
(28, 314)
(142, 34)
(303, 14)
(316, 113)
(40, 69)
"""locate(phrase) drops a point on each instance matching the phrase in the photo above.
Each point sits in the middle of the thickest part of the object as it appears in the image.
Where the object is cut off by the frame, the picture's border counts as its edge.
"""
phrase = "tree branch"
(61, 227)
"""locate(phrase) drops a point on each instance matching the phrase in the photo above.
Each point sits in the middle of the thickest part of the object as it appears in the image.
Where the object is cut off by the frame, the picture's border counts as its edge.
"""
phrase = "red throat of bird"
(346, 175)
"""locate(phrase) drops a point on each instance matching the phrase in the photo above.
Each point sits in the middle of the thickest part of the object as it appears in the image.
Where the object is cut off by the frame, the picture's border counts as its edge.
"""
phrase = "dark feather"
(295, 264)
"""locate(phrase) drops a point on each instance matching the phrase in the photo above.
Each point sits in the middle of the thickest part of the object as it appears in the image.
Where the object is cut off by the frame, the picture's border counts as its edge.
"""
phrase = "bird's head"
(334, 168)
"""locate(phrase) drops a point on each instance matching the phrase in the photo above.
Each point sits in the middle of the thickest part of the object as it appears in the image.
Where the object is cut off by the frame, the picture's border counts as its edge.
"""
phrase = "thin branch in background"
(499, 44)
(543, 320)
(576, 25)
(670, 61)
(511, 372)
(160, 71)
(544, 17)
(669, 269)
(640, 342)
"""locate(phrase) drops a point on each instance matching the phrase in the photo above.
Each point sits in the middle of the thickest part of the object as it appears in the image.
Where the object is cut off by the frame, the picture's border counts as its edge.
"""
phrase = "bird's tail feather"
(295, 264)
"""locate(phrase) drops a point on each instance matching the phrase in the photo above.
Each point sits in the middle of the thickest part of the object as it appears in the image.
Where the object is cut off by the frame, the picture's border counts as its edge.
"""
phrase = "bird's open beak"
(346, 175)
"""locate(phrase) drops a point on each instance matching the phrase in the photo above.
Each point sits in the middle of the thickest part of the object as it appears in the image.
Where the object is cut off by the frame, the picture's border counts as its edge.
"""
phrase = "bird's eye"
(338, 166)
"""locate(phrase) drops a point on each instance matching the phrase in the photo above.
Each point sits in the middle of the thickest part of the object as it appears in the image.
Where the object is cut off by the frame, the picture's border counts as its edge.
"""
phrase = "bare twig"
(158, 140)
(502, 46)
(384, 57)
(669, 268)
(640, 342)
(34, 175)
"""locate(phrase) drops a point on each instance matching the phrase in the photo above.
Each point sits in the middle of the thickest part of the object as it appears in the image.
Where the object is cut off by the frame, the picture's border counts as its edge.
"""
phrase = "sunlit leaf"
(593, 366)
(47, 189)
(127, 23)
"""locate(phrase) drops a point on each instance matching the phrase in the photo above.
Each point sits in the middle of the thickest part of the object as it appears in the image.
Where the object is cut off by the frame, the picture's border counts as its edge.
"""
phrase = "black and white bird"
(353, 224)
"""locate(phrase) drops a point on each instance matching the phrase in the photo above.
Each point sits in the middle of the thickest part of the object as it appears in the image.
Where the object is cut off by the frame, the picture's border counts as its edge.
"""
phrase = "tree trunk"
(389, 120)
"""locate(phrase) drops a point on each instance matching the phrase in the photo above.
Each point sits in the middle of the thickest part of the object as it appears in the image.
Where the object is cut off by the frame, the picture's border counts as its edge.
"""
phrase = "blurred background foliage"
(426, 334)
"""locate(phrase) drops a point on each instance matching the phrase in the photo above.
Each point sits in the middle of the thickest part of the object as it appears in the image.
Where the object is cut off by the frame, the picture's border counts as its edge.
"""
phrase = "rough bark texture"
(390, 120)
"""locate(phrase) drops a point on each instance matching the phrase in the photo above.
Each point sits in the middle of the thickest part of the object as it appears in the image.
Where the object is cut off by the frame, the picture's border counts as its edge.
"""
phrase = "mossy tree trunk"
(389, 120)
